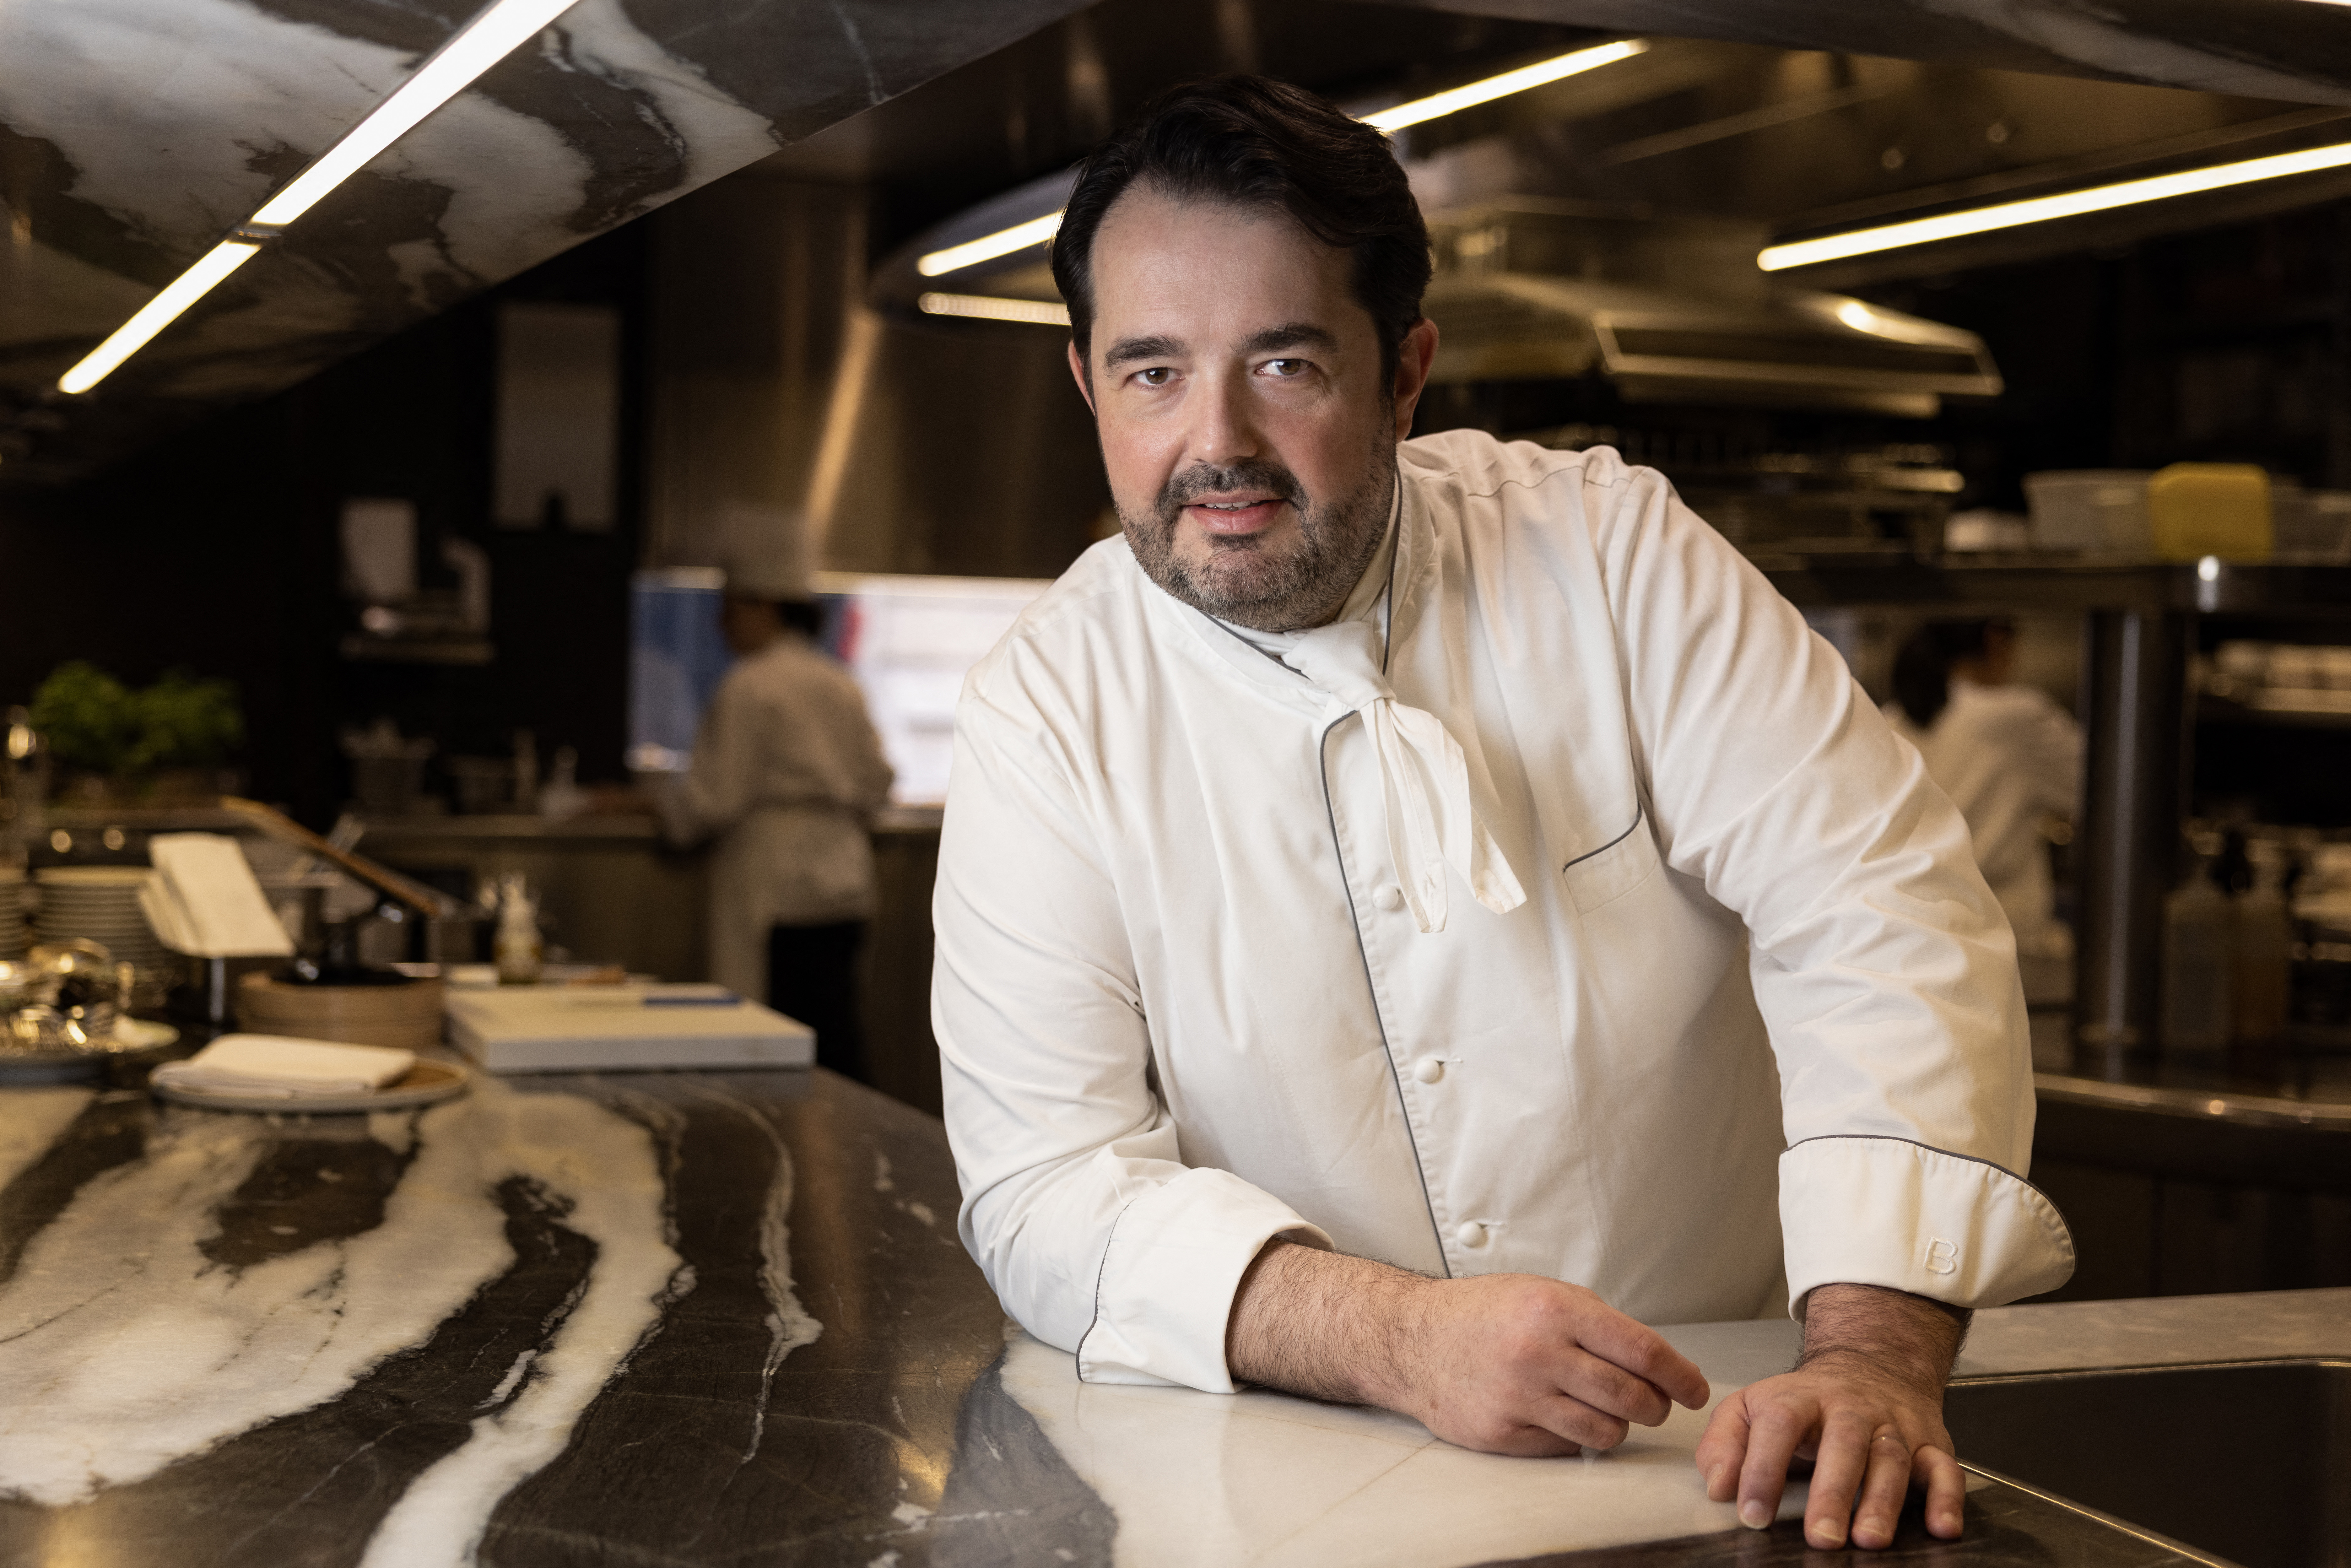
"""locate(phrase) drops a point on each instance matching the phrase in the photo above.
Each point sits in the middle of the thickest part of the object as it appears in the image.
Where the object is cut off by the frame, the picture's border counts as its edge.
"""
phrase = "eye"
(1286, 370)
(1157, 376)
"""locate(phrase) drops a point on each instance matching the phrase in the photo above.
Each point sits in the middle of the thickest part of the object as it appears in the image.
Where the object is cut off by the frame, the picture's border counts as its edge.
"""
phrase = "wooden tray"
(407, 1018)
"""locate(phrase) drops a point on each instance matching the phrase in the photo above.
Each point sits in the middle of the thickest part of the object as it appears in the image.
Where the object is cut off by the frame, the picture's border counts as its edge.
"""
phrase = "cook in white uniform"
(787, 774)
(1403, 909)
(2005, 753)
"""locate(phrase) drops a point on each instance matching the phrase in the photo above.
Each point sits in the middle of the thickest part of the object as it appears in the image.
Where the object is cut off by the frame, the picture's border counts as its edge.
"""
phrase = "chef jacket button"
(1428, 1070)
(1470, 1234)
(1389, 897)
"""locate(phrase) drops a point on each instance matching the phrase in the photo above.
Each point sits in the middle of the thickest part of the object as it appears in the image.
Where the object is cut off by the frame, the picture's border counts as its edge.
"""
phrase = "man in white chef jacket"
(787, 775)
(1409, 910)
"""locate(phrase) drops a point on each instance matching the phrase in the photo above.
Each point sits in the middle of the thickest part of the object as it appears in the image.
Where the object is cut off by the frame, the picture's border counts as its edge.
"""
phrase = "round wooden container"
(408, 1017)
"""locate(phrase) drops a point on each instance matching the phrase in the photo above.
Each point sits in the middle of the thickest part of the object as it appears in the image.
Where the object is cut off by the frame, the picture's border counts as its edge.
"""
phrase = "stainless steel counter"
(2197, 1176)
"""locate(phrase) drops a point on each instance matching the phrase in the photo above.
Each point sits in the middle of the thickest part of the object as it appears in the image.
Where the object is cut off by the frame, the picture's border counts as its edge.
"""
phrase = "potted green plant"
(116, 746)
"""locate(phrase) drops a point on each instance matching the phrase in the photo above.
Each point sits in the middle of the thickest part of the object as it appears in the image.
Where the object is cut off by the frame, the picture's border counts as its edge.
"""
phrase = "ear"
(1078, 374)
(1414, 358)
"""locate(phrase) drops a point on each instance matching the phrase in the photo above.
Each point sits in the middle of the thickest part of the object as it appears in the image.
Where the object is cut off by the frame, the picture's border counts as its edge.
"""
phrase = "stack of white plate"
(12, 913)
(99, 902)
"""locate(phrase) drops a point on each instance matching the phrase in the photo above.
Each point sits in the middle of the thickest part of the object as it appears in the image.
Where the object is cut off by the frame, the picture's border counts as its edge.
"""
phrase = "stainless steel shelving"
(2139, 628)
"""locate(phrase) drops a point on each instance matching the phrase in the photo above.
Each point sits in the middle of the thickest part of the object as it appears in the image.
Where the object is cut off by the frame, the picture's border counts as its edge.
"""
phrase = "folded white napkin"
(207, 901)
(284, 1068)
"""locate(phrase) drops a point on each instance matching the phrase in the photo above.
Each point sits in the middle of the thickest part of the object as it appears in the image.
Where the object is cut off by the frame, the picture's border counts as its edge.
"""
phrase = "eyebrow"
(1126, 351)
(1288, 335)
(1291, 335)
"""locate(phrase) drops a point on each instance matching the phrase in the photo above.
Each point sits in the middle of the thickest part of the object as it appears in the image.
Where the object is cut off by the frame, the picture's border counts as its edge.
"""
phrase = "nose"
(1223, 425)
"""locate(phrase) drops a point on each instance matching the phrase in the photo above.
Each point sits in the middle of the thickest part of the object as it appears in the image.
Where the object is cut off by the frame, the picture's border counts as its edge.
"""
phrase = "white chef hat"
(767, 550)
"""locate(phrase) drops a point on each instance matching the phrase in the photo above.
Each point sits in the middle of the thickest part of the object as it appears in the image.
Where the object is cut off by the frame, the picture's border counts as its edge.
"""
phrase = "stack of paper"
(205, 901)
(561, 1028)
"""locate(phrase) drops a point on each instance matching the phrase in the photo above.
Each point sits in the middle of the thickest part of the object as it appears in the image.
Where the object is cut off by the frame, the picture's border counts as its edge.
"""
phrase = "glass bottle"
(2199, 959)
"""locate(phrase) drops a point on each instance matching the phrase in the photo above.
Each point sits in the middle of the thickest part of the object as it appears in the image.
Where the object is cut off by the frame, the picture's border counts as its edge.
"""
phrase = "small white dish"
(427, 1084)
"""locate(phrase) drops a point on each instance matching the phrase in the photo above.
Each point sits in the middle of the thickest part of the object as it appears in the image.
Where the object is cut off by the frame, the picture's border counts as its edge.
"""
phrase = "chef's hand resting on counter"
(1518, 1364)
(1865, 1405)
(1510, 1364)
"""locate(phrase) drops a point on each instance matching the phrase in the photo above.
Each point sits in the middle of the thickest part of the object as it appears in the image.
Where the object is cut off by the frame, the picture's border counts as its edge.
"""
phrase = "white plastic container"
(2102, 510)
(2199, 942)
(2314, 527)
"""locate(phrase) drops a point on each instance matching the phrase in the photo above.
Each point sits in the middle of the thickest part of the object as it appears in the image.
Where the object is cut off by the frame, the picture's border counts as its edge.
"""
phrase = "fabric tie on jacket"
(1431, 824)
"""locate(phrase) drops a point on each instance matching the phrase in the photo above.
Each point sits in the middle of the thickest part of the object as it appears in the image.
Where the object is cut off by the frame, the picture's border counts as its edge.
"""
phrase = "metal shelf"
(2219, 710)
(1991, 582)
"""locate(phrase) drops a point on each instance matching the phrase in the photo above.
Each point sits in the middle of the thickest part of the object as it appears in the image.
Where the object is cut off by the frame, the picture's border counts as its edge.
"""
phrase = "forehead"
(1164, 265)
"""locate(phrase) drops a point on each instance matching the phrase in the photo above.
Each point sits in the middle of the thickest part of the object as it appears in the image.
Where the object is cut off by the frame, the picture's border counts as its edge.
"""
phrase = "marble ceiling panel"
(133, 132)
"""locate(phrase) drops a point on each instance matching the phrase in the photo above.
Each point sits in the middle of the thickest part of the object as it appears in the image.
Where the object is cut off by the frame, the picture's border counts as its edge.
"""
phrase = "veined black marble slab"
(135, 132)
(785, 1369)
(691, 1319)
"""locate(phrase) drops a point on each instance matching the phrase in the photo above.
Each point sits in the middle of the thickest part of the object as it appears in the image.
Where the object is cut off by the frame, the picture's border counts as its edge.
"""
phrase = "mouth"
(1235, 515)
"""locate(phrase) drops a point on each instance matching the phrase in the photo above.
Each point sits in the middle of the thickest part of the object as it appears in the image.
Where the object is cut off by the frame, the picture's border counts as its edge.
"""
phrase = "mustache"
(1207, 478)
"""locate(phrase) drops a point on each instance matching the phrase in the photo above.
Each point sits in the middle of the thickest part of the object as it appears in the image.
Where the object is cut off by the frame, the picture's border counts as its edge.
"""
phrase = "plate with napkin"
(278, 1073)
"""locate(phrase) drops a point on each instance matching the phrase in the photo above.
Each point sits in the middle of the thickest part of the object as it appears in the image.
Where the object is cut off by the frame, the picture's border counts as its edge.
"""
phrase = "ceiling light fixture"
(157, 313)
(496, 31)
(1037, 231)
(2041, 209)
(1503, 86)
(992, 308)
(987, 248)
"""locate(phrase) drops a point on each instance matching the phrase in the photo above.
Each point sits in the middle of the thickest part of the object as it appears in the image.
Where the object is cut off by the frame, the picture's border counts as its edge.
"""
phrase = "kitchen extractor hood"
(1673, 311)
(1665, 310)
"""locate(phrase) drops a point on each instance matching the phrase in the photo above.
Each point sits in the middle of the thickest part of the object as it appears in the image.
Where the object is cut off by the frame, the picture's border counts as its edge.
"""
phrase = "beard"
(1285, 585)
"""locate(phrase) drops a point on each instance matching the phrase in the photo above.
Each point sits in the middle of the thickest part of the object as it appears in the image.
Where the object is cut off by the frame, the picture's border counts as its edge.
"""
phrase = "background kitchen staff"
(1400, 851)
(787, 774)
(2009, 757)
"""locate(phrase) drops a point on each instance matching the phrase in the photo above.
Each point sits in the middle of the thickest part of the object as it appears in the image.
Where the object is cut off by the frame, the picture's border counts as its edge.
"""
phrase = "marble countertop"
(706, 1318)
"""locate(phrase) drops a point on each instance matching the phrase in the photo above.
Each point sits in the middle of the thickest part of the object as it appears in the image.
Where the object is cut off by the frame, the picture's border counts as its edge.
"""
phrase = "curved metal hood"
(1673, 310)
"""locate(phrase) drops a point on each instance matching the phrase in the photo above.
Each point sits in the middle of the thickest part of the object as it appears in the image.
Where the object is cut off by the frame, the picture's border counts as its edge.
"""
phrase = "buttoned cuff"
(1888, 1212)
(1174, 1260)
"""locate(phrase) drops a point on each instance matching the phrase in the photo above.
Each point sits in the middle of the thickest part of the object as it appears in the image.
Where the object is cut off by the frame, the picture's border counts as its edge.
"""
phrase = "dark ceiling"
(1037, 105)
(128, 146)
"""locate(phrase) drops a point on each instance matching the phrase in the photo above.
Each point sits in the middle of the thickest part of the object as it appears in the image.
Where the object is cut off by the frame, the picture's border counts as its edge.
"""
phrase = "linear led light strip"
(2041, 209)
(1037, 231)
(990, 308)
(494, 33)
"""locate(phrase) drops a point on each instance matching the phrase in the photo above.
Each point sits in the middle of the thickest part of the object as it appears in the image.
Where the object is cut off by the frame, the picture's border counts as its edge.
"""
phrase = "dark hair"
(1922, 665)
(1248, 142)
(805, 616)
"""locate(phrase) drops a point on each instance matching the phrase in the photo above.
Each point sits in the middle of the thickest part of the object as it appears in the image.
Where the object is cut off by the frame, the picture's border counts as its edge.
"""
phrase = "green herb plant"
(95, 725)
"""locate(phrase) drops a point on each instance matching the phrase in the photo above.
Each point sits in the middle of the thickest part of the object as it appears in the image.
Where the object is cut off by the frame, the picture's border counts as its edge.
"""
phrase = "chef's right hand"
(1507, 1363)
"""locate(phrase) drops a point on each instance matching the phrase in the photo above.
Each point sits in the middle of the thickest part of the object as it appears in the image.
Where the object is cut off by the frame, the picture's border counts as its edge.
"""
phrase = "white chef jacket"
(787, 772)
(2008, 756)
(1182, 1008)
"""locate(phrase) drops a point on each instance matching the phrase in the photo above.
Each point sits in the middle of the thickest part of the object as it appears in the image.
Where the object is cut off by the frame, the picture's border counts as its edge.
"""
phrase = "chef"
(787, 773)
(1410, 911)
(2010, 760)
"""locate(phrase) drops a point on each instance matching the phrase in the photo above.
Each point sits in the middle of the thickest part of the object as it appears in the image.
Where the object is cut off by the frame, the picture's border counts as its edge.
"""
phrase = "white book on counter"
(591, 1028)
